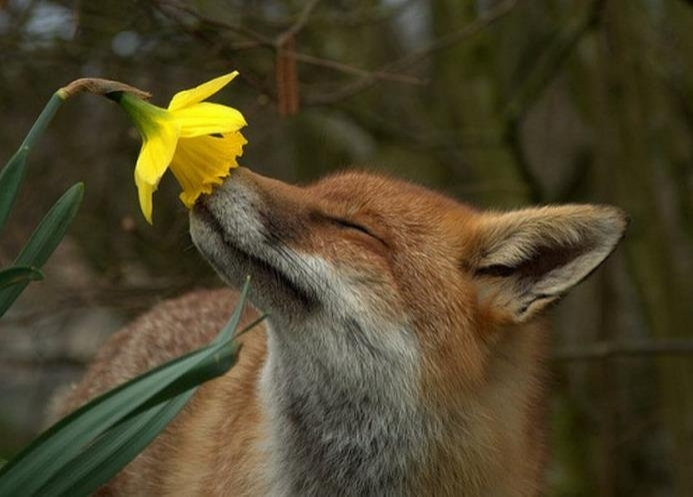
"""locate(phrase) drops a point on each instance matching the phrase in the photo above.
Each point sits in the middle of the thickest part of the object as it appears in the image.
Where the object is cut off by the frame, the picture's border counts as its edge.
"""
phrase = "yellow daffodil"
(198, 140)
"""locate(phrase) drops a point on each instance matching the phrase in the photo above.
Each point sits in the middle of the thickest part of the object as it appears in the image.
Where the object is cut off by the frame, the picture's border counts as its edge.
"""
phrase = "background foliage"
(498, 103)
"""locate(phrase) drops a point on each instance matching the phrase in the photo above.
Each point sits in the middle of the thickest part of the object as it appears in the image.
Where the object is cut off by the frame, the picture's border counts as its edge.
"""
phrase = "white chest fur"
(342, 405)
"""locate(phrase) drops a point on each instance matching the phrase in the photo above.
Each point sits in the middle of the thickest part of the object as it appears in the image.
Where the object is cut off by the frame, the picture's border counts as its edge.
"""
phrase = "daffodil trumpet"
(199, 141)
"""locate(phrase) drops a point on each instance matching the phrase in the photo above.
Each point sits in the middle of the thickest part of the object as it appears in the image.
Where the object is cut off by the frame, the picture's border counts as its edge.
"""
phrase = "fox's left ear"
(523, 260)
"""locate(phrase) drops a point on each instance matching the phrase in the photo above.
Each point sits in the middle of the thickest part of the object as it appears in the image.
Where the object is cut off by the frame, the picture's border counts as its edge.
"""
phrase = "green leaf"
(113, 450)
(45, 239)
(10, 178)
(106, 428)
(52, 228)
(18, 274)
(228, 332)
(64, 441)
(12, 174)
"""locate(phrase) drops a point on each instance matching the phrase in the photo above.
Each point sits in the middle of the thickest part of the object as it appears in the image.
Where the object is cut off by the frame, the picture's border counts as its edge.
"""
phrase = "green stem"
(43, 120)
(12, 175)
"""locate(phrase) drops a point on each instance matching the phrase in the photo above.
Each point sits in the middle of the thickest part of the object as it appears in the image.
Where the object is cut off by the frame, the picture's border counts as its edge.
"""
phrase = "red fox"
(402, 355)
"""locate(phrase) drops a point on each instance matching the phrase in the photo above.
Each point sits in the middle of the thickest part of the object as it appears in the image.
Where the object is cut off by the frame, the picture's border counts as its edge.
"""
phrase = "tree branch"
(613, 350)
(545, 69)
(296, 27)
(548, 64)
(254, 39)
(599, 351)
(367, 78)
(446, 41)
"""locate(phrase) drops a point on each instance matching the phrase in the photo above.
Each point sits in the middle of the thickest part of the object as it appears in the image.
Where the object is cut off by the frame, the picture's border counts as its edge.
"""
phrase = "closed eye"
(343, 223)
(349, 225)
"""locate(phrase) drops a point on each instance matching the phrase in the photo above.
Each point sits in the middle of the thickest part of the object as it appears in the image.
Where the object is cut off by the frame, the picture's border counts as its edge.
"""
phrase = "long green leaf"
(45, 459)
(12, 174)
(49, 454)
(52, 228)
(10, 178)
(113, 450)
(18, 274)
(45, 239)
(228, 332)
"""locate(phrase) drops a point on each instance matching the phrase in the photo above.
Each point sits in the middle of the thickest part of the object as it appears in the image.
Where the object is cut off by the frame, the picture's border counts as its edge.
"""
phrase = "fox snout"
(242, 232)
(252, 209)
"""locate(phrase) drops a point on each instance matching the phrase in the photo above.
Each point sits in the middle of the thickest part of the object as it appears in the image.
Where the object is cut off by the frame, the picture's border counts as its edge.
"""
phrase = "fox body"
(402, 355)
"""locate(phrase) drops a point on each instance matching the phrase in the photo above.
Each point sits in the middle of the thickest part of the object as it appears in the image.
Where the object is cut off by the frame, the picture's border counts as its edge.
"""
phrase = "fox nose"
(239, 178)
(241, 174)
(236, 176)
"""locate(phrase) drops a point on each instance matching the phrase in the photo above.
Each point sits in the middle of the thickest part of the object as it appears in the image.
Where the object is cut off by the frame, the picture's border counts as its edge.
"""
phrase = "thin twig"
(546, 66)
(356, 71)
(56, 361)
(610, 350)
(596, 352)
(257, 40)
(352, 18)
(446, 41)
(216, 23)
(296, 27)
(551, 60)
(450, 39)
(227, 49)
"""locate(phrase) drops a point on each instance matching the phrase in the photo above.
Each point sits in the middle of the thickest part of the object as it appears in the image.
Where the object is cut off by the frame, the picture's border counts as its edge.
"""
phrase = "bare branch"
(35, 362)
(611, 350)
(446, 41)
(356, 71)
(545, 68)
(235, 28)
(172, 10)
(296, 27)
(596, 352)
(354, 17)
(254, 39)
(551, 60)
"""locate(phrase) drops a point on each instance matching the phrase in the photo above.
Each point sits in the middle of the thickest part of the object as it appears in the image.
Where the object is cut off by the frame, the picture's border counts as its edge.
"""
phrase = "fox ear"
(526, 259)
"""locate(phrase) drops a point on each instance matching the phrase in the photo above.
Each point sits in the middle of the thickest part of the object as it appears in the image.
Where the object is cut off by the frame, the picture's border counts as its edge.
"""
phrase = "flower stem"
(12, 174)
(43, 120)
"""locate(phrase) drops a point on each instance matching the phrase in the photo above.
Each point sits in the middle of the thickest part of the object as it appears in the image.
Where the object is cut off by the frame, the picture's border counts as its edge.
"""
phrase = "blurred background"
(497, 103)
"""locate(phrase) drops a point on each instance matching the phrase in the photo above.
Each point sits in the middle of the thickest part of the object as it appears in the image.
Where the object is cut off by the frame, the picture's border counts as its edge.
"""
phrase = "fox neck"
(343, 415)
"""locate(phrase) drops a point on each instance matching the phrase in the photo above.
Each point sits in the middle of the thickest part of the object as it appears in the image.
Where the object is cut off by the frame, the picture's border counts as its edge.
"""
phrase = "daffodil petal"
(199, 93)
(207, 119)
(202, 162)
(144, 193)
(158, 147)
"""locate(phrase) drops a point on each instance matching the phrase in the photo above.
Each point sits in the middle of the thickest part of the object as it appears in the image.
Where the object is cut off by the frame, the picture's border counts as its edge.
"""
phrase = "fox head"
(360, 244)
(377, 254)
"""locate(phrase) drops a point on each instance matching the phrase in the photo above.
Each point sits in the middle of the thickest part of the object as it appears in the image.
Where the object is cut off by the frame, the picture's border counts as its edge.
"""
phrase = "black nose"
(201, 202)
